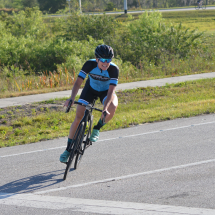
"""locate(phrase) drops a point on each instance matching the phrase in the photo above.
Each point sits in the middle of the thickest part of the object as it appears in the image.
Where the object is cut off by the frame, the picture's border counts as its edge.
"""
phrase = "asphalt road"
(163, 168)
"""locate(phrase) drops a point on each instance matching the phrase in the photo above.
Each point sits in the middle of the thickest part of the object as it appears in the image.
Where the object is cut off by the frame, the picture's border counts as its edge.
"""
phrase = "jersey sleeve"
(87, 67)
(114, 74)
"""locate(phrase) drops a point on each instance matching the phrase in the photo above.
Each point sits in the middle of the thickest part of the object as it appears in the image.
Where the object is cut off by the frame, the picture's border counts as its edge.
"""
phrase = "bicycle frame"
(79, 145)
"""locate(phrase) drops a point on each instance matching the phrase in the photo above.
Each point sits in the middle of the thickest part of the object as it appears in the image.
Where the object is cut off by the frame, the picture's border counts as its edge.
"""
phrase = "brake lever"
(69, 106)
(103, 119)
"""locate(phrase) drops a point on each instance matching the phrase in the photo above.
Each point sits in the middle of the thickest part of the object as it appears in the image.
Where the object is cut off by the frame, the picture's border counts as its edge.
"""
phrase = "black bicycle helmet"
(104, 51)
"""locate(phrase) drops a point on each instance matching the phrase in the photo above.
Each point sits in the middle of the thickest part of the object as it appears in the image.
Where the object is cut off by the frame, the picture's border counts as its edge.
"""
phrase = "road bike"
(81, 139)
(200, 6)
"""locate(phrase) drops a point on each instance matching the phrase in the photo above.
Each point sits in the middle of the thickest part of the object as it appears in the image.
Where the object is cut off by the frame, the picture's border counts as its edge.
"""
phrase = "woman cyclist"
(199, 3)
(101, 83)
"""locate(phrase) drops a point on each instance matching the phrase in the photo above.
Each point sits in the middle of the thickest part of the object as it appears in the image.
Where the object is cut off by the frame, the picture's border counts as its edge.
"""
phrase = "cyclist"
(199, 2)
(102, 81)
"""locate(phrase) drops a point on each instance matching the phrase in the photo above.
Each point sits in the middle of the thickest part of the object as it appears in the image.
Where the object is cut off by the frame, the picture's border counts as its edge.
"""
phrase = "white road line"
(98, 206)
(23, 153)
(127, 176)
(153, 132)
(134, 135)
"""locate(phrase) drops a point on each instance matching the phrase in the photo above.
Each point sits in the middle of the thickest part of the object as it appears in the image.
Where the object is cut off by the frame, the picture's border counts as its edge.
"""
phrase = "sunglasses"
(103, 60)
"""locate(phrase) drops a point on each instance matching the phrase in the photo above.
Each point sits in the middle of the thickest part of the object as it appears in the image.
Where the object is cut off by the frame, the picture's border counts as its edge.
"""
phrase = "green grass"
(204, 20)
(142, 105)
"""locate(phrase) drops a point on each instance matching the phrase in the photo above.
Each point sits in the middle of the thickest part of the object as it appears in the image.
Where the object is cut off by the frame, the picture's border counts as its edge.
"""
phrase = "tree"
(155, 3)
(51, 6)
(110, 6)
(30, 3)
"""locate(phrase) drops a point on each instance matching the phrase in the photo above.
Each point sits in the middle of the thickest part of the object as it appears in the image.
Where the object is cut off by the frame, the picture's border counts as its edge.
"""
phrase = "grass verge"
(47, 120)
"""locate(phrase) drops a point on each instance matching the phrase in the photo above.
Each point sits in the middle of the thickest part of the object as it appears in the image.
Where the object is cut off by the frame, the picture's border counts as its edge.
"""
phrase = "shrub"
(28, 22)
(78, 27)
(147, 37)
(27, 42)
(110, 6)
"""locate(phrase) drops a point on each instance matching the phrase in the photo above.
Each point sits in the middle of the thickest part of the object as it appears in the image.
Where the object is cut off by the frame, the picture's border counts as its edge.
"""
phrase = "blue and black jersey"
(99, 79)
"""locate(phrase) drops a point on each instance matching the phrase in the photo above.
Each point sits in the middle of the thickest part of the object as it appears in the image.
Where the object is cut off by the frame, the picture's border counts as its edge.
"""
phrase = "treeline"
(52, 6)
(47, 6)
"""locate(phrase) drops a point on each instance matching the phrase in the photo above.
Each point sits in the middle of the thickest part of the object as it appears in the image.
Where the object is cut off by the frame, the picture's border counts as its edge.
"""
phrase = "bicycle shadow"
(33, 183)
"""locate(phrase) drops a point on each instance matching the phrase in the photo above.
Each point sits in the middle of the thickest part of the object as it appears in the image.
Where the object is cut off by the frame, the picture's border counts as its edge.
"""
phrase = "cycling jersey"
(99, 79)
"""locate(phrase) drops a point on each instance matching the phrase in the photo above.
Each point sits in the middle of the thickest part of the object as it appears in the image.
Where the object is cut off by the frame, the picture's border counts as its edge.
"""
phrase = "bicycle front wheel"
(204, 6)
(81, 145)
(74, 149)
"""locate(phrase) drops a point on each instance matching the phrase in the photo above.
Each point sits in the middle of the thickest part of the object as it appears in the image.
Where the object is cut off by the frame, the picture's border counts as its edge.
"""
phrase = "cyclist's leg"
(111, 109)
(85, 97)
(79, 115)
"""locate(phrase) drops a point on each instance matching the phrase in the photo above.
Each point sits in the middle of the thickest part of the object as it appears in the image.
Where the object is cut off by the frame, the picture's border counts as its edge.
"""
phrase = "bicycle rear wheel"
(79, 133)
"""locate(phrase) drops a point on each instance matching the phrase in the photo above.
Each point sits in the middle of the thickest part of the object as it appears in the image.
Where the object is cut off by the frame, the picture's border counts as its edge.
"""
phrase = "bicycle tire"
(196, 7)
(90, 121)
(81, 145)
(203, 7)
(73, 151)
(85, 142)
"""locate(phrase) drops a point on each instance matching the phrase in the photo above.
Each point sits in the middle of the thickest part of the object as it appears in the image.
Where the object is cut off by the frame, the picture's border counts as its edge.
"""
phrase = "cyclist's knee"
(115, 101)
(78, 117)
(113, 106)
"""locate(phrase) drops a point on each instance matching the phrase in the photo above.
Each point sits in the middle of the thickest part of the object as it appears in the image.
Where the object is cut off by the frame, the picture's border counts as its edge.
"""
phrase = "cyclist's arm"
(114, 74)
(76, 87)
(108, 100)
(87, 67)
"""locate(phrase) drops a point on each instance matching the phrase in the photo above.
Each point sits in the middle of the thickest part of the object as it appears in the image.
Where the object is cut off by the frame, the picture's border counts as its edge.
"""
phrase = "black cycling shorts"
(88, 94)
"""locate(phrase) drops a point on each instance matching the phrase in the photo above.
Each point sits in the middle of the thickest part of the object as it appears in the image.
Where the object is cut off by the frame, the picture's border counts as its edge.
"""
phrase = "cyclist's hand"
(104, 115)
(67, 102)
